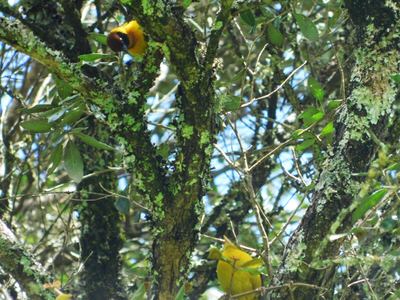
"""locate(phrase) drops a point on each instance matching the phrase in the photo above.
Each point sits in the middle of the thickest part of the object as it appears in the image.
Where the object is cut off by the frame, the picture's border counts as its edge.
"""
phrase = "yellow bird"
(232, 273)
(127, 37)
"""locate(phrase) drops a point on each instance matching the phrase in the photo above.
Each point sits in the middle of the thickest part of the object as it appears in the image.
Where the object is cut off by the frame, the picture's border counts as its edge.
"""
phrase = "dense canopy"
(272, 123)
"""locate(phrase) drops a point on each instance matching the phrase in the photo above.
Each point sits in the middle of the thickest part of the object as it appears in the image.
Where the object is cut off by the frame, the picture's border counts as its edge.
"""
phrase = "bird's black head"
(118, 41)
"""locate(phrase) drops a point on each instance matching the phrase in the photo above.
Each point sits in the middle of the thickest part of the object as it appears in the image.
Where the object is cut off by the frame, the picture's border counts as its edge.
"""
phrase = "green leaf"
(186, 3)
(63, 88)
(396, 78)
(395, 296)
(37, 108)
(307, 27)
(297, 133)
(36, 125)
(388, 224)
(70, 100)
(122, 205)
(230, 103)
(98, 37)
(368, 203)
(218, 25)
(139, 294)
(328, 129)
(311, 115)
(333, 104)
(73, 162)
(316, 89)
(248, 17)
(163, 150)
(274, 35)
(92, 141)
(55, 159)
(181, 293)
(56, 115)
(72, 116)
(305, 144)
(394, 167)
(95, 56)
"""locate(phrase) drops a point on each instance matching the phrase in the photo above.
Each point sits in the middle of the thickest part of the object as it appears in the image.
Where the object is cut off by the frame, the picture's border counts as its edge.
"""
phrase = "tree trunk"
(362, 121)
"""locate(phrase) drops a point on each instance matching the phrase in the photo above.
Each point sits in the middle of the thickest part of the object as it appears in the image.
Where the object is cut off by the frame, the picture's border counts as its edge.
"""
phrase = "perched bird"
(127, 37)
(234, 271)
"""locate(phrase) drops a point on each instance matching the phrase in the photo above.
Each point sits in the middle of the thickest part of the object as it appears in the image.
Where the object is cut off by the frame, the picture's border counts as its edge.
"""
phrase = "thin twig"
(275, 90)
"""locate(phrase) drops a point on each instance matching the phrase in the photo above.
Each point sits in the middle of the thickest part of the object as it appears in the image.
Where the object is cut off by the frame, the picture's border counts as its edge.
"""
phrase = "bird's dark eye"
(117, 41)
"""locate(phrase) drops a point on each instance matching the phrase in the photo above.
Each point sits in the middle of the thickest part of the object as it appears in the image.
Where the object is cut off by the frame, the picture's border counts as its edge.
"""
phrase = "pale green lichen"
(149, 7)
(374, 106)
(187, 131)
(295, 260)
(205, 138)
(158, 202)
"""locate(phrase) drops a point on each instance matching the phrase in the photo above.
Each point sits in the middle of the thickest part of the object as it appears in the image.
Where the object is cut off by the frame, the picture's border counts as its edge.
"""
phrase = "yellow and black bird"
(128, 37)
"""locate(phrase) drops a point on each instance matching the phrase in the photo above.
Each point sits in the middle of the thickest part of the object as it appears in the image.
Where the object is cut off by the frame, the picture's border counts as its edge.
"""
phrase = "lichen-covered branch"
(17, 262)
(122, 102)
(366, 115)
(196, 130)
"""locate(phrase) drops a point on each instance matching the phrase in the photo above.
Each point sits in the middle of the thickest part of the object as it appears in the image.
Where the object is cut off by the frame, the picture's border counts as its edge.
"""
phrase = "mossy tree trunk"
(360, 126)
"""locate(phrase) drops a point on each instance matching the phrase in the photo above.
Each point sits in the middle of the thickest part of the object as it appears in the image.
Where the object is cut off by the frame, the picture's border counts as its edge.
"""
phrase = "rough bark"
(365, 117)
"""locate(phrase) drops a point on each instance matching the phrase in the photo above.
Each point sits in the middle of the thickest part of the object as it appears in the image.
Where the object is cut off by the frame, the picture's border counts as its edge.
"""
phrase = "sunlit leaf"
(316, 89)
(328, 129)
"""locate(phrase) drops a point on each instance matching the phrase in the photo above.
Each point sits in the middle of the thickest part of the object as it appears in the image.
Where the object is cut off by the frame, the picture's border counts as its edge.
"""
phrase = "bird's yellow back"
(233, 280)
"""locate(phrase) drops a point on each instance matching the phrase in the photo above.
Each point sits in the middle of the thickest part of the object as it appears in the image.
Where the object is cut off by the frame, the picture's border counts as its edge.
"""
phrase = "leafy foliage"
(276, 96)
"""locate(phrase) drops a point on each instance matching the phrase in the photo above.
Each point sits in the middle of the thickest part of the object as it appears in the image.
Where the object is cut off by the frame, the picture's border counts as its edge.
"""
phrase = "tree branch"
(22, 266)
